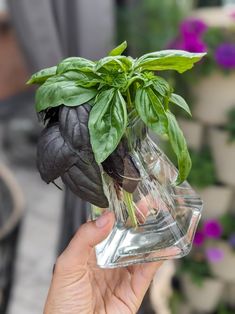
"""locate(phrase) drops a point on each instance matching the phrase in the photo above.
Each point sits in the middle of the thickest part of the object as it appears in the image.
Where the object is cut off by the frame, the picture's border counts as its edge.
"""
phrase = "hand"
(79, 286)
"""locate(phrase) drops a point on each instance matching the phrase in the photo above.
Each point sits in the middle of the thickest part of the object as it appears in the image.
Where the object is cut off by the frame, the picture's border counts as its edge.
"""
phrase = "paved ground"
(38, 242)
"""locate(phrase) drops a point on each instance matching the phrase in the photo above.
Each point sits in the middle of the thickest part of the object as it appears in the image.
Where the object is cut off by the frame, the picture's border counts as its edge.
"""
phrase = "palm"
(79, 286)
(119, 290)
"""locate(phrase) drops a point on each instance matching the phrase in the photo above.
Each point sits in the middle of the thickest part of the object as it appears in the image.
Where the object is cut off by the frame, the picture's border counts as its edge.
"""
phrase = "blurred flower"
(232, 240)
(192, 43)
(212, 229)
(190, 40)
(232, 14)
(199, 238)
(225, 55)
(214, 255)
(193, 26)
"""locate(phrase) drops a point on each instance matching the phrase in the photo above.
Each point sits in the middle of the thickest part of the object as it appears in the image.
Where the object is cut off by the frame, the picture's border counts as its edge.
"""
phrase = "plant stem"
(128, 200)
(129, 102)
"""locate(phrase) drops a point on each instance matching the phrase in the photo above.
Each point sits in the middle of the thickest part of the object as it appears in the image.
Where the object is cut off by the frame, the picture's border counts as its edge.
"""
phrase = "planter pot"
(193, 132)
(224, 156)
(10, 216)
(214, 98)
(216, 200)
(155, 219)
(229, 295)
(203, 298)
(224, 269)
(161, 289)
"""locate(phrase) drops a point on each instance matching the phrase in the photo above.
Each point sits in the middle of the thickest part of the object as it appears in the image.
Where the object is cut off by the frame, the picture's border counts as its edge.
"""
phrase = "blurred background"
(37, 221)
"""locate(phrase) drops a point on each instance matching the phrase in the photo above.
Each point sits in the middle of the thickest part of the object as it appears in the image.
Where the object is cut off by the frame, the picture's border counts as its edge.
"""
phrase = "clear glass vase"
(158, 219)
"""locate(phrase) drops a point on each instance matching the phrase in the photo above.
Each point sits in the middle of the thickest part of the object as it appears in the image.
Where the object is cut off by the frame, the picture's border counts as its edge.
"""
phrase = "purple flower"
(212, 229)
(232, 15)
(232, 240)
(193, 26)
(225, 55)
(192, 43)
(214, 255)
(199, 238)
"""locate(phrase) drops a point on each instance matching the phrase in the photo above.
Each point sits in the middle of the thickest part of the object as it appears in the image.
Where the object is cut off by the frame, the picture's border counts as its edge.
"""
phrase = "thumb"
(87, 237)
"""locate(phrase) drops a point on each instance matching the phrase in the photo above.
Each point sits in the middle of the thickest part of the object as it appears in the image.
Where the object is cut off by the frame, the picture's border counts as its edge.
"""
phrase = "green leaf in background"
(178, 60)
(107, 123)
(75, 64)
(41, 76)
(58, 91)
(202, 162)
(151, 110)
(228, 223)
(179, 146)
(114, 64)
(180, 102)
(119, 49)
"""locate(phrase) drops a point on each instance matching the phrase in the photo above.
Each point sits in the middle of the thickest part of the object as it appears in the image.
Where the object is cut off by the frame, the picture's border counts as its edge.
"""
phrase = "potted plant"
(230, 292)
(222, 142)
(216, 72)
(97, 114)
(217, 198)
(202, 290)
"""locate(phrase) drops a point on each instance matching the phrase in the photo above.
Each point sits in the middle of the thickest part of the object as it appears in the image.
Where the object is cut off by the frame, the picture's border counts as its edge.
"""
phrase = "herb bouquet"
(97, 116)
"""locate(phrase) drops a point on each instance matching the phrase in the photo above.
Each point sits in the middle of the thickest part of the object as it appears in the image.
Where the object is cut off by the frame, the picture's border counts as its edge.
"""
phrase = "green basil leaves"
(119, 49)
(117, 86)
(179, 146)
(59, 90)
(107, 123)
(178, 60)
(150, 109)
(41, 76)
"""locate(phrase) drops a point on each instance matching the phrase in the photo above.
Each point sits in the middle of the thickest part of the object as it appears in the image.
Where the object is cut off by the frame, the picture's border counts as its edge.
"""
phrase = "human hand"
(80, 286)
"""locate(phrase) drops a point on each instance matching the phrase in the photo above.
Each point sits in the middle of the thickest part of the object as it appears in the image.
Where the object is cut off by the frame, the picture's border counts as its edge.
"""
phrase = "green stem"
(129, 102)
(128, 200)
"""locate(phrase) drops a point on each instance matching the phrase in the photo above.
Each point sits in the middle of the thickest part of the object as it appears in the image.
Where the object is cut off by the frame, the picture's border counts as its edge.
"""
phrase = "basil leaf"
(74, 128)
(151, 110)
(84, 180)
(58, 90)
(114, 64)
(178, 60)
(75, 64)
(179, 146)
(179, 101)
(119, 49)
(41, 76)
(161, 86)
(118, 80)
(84, 79)
(54, 155)
(107, 123)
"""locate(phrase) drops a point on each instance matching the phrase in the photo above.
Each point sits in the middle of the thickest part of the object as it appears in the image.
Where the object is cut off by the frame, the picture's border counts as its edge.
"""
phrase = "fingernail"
(103, 220)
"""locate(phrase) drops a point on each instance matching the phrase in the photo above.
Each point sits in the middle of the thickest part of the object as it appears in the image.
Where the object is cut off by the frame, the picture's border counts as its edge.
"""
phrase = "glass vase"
(157, 219)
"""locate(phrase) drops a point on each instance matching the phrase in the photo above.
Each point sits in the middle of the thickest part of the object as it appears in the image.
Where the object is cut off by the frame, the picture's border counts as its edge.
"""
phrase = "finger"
(87, 237)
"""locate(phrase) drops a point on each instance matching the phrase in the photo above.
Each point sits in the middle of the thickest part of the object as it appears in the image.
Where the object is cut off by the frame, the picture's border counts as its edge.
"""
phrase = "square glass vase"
(157, 221)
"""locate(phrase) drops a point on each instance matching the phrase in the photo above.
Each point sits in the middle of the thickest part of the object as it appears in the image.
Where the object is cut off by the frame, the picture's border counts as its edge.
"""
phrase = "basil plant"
(87, 106)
